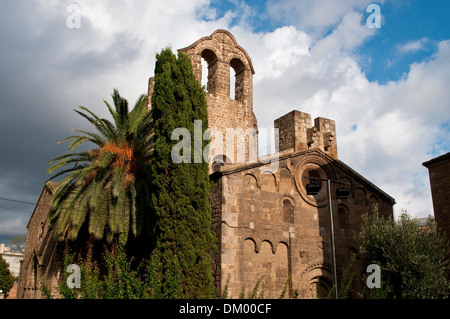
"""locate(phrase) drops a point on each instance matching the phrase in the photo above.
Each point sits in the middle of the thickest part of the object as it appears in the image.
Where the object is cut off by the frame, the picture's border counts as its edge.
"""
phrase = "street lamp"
(341, 193)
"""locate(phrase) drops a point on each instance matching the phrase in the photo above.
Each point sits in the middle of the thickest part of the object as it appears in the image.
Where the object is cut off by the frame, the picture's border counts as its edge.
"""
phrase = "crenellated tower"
(297, 135)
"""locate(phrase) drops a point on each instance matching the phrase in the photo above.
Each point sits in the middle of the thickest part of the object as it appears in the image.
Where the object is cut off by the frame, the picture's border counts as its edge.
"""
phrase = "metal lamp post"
(342, 193)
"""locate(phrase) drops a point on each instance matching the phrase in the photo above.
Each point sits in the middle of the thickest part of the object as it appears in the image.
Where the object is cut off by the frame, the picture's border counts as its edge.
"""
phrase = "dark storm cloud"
(46, 70)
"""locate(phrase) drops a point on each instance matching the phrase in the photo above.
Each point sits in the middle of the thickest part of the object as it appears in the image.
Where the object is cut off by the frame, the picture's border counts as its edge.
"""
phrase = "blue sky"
(410, 34)
(386, 88)
(405, 22)
(402, 22)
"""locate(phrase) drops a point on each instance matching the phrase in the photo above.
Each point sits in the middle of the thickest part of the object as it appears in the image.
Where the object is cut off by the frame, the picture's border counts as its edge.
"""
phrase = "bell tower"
(230, 110)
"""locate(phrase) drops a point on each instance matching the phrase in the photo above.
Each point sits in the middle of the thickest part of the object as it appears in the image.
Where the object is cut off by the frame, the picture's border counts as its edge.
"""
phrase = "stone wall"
(272, 229)
(222, 53)
(43, 259)
(298, 135)
(267, 226)
(439, 172)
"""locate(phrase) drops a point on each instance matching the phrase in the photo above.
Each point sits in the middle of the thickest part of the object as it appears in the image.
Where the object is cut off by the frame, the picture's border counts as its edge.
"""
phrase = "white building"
(13, 259)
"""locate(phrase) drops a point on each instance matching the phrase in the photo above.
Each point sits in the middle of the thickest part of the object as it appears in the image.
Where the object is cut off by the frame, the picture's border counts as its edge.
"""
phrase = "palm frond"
(64, 213)
(99, 187)
(105, 159)
(98, 217)
(81, 207)
(118, 180)
(101, 125)
(81, 155)
(65, 162)
(95, 138)
(132, 204)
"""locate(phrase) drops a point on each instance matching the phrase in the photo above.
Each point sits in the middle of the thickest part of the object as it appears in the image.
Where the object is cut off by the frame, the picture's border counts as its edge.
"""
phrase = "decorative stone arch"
(360, 197)
(219, 161)
(246, 176)
(287, 207)
(316, 280)
(221, 50)
(284, 176)
(269, 262)
(272, 246)
(268, 180)
(373, 202)
(258, 241)
(284, 172)
(254, 243)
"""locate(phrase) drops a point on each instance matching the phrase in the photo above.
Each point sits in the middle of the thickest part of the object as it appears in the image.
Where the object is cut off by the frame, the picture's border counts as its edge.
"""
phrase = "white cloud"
(397, 123)
(413, 46)
(297, 67)
(317, 17)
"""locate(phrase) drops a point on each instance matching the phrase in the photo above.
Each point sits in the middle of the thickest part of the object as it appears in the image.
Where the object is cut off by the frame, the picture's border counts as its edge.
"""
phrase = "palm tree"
(108, 187)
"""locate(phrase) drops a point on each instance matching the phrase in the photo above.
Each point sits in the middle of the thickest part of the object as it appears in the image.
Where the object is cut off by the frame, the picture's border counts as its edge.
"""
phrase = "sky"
(384, 84)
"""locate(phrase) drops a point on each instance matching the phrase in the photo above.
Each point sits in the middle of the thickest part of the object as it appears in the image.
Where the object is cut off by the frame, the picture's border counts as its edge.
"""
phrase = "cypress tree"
(180, 194)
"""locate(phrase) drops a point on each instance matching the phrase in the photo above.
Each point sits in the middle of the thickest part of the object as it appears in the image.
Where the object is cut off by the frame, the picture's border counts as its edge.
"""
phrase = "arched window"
(288, 211)
(41, 231)
(204, 73)
(219, 161)
(232, 84)
(209, 60)
(343, 217)
(237, 81)
(360, 197)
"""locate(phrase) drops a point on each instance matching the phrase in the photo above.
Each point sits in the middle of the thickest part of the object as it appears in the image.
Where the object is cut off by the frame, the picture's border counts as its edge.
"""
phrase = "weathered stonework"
(221, 52)
(272, 228)
(43, 260)
(266, 225)
(439, 172)
(297, 135)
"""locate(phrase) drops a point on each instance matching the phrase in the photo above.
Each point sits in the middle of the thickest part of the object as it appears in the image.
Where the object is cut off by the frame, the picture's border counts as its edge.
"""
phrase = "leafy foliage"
(129, 185)
(255, 293)
(107, 187)
(345, 283)
(412, 260)
(120, 280)
(6, 278)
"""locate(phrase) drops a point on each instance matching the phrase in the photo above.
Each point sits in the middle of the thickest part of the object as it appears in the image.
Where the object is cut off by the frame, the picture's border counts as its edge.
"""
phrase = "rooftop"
(436, 159)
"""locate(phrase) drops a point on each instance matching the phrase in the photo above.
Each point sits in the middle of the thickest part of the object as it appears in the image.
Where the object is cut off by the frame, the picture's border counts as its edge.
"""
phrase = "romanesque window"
(41, 231)
(360, 197)
(209, 67)
(288, 211)
(343, 217)
(237, 68)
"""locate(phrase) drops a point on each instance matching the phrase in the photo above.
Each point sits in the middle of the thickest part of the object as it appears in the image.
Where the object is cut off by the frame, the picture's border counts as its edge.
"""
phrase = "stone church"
(268, 227)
